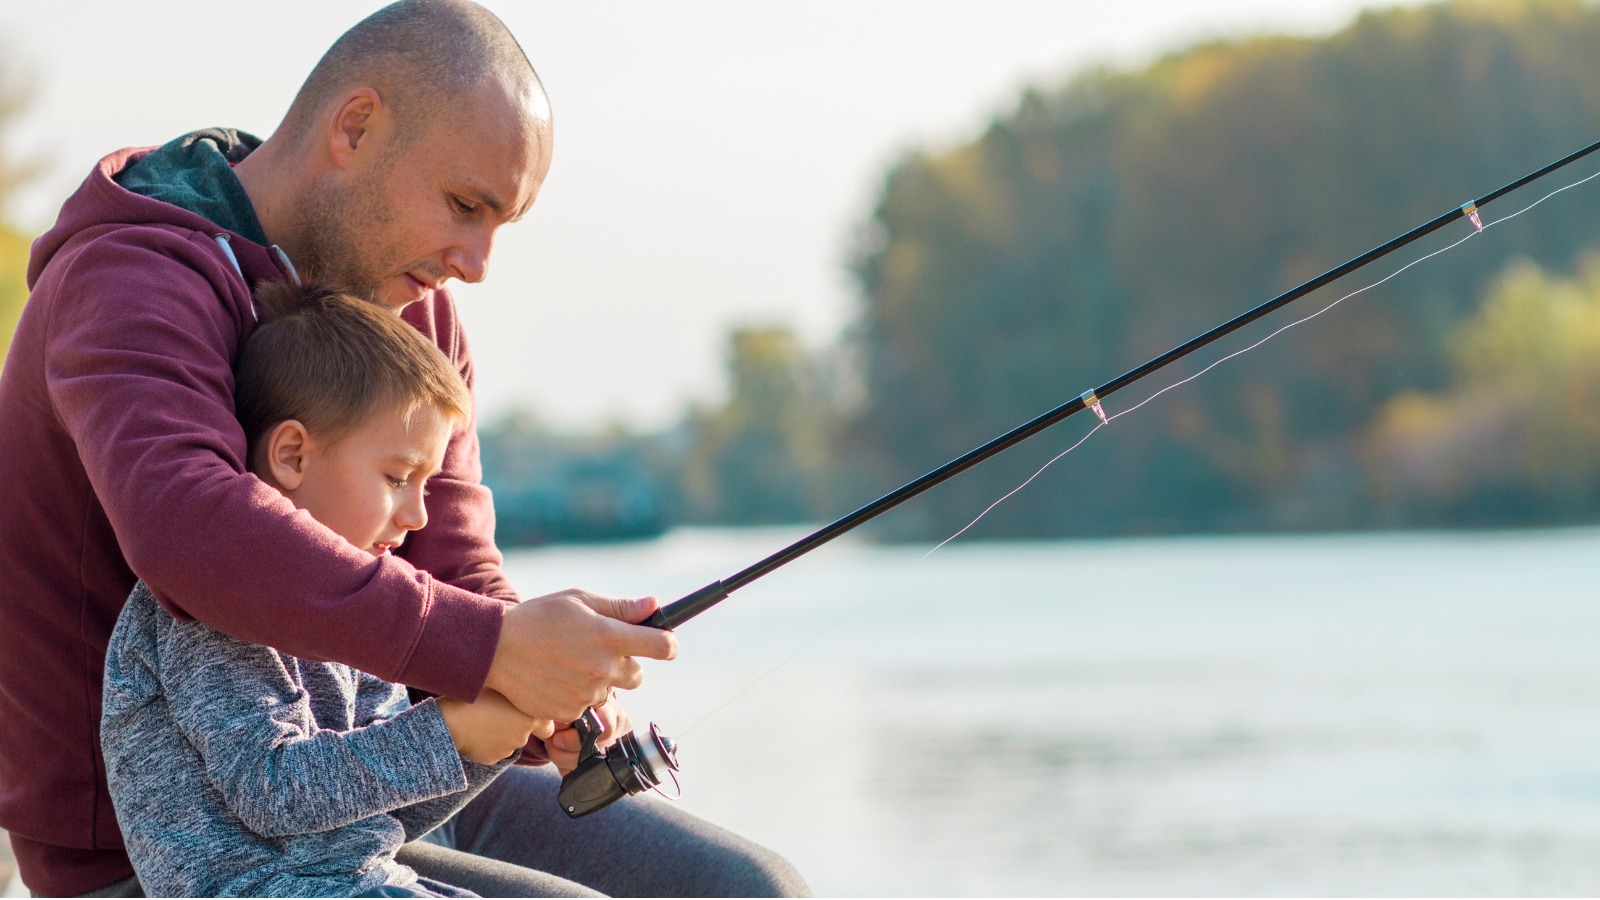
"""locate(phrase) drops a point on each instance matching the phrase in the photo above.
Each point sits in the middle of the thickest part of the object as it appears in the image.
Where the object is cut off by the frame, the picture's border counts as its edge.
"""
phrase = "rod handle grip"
(687, 607)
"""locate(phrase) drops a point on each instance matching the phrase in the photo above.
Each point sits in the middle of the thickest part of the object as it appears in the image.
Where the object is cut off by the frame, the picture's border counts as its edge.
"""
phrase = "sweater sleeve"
(377, 699)
(139, 367)
(246, 713)
(420, 818)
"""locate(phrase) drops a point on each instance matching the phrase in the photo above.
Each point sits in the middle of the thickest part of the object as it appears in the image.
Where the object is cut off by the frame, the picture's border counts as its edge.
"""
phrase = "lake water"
(1378, 714)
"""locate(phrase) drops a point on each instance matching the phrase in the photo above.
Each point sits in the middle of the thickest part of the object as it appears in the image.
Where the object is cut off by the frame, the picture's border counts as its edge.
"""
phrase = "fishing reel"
(634, 764)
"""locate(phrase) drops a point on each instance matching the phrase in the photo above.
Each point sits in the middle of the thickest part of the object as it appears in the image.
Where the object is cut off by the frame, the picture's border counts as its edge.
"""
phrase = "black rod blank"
(691, 605)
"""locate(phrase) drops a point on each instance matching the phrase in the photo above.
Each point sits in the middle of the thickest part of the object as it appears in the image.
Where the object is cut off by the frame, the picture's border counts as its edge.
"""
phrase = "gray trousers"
(514, 841)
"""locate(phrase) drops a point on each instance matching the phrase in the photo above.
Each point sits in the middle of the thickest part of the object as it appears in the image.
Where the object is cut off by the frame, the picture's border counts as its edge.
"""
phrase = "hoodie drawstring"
(225, 241)
(226, 244)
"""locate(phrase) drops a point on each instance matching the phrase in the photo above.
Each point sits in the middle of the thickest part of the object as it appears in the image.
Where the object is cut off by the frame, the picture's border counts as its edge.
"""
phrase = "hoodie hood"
(195, 172)
(101, 203)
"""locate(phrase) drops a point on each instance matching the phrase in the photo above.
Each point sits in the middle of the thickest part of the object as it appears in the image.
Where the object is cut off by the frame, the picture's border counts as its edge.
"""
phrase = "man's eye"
(462, 206)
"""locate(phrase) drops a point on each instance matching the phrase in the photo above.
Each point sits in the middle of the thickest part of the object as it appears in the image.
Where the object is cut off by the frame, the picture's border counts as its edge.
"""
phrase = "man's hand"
(490, 729)
(563, 653)
(563, 746)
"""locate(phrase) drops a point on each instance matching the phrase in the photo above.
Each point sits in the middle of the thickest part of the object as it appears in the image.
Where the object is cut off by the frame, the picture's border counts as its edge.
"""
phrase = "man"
(420, 133)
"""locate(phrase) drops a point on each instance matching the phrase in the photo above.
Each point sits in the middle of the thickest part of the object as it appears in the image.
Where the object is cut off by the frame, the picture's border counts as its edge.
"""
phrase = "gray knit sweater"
(237, 770)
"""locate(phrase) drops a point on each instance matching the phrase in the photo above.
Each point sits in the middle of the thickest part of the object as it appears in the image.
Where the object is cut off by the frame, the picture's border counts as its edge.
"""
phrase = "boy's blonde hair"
(332, 361)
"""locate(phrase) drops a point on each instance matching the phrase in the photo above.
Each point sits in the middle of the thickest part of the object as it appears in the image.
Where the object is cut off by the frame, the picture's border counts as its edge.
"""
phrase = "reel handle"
(590, 787)
(632, 765)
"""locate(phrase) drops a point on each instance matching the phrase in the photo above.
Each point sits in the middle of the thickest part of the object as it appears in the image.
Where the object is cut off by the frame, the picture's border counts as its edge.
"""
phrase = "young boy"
(239, 770)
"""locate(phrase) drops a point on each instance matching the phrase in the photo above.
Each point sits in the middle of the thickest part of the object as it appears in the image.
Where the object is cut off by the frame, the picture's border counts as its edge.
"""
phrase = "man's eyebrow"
(493, 201)
(500, 208)
(489, 198)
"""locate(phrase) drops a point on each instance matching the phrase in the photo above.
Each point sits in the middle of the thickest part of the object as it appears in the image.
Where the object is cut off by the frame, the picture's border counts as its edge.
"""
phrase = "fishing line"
(1540, 200)
(1106, 419)
(880, 590)
(1451, 246)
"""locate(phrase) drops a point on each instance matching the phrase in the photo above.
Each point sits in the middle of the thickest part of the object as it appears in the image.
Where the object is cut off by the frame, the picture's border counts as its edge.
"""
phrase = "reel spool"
(634, 764)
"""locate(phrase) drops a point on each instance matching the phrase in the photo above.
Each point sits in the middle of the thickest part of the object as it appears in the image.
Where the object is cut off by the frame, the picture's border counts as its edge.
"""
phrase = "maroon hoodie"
(120, 458)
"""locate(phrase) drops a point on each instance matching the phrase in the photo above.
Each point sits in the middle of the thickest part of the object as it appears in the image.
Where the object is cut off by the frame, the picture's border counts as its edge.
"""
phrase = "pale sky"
(711, 161)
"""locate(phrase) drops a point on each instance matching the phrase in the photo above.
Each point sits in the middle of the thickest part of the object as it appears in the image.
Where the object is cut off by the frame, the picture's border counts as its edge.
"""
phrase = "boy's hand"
(490, 728)
(563, 746)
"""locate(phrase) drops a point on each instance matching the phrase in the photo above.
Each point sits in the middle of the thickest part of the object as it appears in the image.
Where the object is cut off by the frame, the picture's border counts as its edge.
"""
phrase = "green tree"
(766, 455)
(1515, 436)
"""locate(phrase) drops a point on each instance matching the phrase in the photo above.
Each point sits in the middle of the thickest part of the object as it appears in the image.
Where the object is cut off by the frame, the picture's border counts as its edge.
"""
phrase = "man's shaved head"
(422, 130)
(421, 56)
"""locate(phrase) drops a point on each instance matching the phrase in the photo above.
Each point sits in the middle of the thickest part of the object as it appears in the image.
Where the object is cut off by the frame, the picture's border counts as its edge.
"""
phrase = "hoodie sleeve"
(139, 357)
(458, 543)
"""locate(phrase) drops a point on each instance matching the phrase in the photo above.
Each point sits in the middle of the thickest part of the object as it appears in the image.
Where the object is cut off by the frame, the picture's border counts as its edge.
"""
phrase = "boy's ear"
(288, 452)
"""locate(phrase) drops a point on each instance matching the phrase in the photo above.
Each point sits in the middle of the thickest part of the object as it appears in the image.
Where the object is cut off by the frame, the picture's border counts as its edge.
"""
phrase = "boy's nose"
(413, 512)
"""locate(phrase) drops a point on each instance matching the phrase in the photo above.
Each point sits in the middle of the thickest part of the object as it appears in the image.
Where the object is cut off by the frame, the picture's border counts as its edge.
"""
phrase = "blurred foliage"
(1101, 223)
(13, 288)
(15, 90)
(1516, 437)
(553, 487)
(769, 453)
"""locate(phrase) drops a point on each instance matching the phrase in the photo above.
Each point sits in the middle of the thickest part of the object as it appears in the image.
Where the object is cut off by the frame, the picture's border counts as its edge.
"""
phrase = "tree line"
(1107, 220)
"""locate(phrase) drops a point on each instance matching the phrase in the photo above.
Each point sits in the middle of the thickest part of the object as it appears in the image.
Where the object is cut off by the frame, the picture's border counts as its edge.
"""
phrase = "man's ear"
(351, 130)
(288, 451)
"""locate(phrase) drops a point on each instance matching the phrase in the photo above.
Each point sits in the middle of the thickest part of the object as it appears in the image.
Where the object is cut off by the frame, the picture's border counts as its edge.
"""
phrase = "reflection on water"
(1387, 714)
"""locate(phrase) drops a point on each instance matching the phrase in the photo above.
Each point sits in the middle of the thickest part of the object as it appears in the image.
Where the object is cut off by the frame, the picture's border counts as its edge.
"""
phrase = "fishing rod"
(682, 610)
(602, 778)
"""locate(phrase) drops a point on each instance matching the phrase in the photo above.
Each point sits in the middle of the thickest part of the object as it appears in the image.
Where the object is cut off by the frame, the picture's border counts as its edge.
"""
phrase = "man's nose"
(468, 261)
